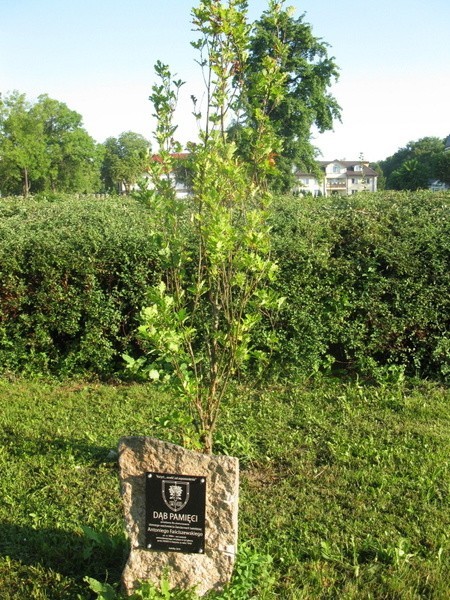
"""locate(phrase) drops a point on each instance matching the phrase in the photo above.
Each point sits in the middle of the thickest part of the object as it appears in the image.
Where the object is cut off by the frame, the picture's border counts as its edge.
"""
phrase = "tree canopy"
(44, 147)
(125, 160)
(412, 166)
(442, 167)
(306, 101)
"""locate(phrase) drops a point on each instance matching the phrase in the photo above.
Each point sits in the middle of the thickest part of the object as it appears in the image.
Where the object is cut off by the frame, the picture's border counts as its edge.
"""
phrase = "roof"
(350, 166)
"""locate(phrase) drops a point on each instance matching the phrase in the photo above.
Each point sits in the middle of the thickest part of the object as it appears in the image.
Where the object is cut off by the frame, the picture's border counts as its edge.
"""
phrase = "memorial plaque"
(175, 512)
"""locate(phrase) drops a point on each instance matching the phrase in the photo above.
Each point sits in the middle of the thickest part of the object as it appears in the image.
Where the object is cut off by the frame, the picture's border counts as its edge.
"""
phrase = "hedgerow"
(73, 276)
(366, 280)
(367, 283)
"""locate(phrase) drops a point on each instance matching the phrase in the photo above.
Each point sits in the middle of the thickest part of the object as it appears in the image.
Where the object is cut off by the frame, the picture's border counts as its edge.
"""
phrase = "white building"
(343, 177)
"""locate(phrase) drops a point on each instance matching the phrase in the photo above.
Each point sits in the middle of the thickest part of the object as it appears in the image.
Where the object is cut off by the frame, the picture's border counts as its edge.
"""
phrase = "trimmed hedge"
(73, 277)
(367, 282)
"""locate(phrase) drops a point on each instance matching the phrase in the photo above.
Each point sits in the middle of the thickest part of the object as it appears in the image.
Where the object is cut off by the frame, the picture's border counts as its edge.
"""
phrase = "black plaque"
(175, 512)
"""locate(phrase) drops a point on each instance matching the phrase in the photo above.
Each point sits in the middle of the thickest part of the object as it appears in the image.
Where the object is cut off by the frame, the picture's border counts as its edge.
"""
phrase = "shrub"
(73, 277)
(367, 282)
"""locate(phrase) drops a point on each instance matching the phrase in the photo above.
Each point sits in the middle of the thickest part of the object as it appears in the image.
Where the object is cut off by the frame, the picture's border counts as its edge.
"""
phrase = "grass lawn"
(346, 487)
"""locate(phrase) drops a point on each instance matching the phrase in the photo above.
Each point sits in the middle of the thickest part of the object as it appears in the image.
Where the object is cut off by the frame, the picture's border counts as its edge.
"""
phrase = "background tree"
(22, 146)
(411, 175)
(414, 165)
(308, 73)
(125, 160)
(74, 157)
(441, 167)
(44, 147)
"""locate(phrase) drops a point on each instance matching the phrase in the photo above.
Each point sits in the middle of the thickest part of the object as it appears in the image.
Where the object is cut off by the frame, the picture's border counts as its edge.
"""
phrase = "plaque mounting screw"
(149, 545)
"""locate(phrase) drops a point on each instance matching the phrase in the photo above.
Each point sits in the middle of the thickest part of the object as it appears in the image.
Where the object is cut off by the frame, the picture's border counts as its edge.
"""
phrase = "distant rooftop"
(350, 165)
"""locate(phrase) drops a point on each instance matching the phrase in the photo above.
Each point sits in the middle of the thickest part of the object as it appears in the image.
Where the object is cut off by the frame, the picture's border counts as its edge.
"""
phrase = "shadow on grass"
(22, 446)
(71, 553)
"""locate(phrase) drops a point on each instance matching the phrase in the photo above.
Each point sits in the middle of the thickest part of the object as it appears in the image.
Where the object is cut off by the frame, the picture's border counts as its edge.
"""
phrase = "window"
(358, 168)
(336, 169)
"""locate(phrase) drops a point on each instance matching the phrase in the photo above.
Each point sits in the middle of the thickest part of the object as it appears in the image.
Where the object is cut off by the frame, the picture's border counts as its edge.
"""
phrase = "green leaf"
(153, 374)
(103, 590)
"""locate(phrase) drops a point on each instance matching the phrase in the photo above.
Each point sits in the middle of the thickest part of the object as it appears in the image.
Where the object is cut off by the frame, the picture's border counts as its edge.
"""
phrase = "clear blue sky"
(97, 56)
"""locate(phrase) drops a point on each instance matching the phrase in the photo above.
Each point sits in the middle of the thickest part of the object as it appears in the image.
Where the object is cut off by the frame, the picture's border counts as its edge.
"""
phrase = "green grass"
(347, 487)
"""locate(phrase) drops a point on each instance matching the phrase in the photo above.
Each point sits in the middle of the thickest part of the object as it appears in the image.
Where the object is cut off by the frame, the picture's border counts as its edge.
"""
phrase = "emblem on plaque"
(175, 494)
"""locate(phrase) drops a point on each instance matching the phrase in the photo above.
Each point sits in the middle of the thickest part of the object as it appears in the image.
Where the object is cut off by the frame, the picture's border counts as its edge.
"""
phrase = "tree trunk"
(25, 182)
(207, 442)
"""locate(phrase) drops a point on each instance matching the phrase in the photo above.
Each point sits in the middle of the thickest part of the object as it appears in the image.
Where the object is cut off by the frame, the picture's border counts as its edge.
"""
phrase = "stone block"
(210, 570)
